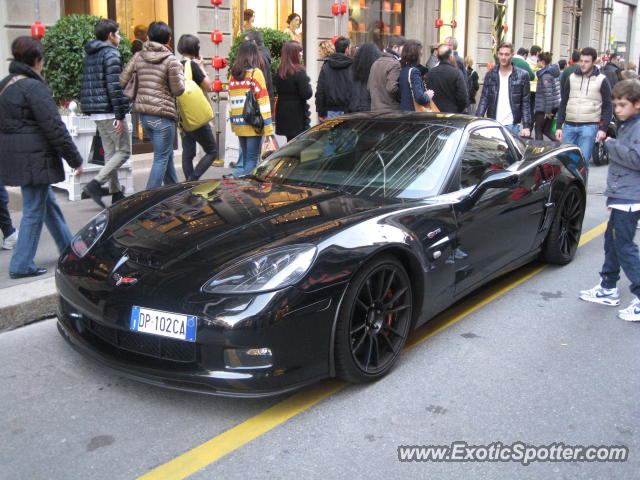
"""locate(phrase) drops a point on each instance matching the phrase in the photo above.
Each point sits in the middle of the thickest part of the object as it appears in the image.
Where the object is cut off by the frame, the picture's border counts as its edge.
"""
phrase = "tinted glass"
(487, 149)
(367, 157)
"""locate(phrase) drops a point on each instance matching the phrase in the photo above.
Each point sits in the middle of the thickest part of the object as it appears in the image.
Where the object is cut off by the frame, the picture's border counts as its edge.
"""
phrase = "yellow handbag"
(195, 109)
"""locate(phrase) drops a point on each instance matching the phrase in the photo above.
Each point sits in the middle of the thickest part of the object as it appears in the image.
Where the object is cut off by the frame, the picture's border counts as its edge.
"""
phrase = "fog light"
(250, 358)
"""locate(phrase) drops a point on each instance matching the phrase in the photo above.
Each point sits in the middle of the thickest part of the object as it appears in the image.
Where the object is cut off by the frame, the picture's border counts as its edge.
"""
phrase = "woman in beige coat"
(160, 80)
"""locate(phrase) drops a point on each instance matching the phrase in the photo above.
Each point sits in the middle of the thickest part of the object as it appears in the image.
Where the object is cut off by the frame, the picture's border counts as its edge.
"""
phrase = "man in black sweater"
(102, 97)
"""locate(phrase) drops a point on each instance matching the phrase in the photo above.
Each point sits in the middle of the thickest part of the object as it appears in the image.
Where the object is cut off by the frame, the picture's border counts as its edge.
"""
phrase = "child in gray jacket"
(623, 199)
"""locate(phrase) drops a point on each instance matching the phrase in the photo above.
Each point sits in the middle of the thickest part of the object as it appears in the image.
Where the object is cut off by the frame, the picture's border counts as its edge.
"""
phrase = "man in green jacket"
(520, 61)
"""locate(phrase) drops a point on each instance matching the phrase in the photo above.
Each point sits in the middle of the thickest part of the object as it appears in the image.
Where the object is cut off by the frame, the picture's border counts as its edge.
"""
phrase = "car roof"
(455, 120)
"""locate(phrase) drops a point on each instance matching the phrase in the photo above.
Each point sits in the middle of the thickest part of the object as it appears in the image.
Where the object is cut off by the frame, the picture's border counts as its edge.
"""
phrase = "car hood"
(217, 221)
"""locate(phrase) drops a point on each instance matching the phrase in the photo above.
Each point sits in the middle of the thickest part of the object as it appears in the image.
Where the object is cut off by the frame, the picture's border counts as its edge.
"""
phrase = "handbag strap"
(188, 73)
(410, 86)
(12, 81)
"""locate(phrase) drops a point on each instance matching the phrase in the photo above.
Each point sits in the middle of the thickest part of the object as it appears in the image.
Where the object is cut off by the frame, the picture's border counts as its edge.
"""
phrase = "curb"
(27, 303)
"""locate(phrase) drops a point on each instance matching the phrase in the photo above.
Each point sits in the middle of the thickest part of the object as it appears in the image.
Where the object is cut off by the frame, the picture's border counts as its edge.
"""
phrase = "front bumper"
(299, 335)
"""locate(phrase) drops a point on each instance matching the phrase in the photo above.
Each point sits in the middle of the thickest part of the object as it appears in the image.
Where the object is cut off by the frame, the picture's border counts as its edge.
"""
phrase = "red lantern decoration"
(506, 28)
(37, 30)
(216, 36)
(216, 85)
(216, 2)
(439, 22)
(454, 24)
(334, 38)
(343, 8)
(335, 9)
(219, 62)
(491, 65)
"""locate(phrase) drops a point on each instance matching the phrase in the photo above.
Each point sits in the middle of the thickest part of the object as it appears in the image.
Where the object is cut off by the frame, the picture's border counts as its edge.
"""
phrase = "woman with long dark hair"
(246, 73)
(189, 48)
(33, 142)
(294, 89)
(361, 98)
(412, 87)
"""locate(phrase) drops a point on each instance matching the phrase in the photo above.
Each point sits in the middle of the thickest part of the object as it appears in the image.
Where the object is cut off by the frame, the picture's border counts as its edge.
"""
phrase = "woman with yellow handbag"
(195, 111)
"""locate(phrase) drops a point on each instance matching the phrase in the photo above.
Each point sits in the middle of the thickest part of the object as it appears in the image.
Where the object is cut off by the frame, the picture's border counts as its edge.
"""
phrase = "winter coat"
(548, 94)
(473, 84)
(266, 58)
(410, 91)
(33, 138)
(449, 85)
(360, 98)
(564, 78)
(613, 73)
(292, 110)
(519, 95)
(160, 81)
(520, 62)
(623, 178)
(383, 83)
(334, 84)
(100, 90)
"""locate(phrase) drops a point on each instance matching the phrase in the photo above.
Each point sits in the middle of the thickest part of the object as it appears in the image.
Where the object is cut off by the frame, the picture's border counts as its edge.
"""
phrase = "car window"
(392, 159)
(486, 149)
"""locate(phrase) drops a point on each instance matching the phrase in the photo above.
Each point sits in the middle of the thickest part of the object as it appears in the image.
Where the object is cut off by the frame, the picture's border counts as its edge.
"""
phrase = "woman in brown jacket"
(160, 81)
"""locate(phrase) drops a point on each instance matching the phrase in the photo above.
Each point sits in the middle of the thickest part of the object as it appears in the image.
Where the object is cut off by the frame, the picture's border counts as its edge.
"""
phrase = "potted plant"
(63, 61)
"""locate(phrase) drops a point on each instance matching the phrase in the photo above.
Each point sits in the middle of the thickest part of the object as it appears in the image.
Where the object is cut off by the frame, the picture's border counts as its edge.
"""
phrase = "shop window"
(375, 21)
(453, 15)
(542, 23)
(267, 14)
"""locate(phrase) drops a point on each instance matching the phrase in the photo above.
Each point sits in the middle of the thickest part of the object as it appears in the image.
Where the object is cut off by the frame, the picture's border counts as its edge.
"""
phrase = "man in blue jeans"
(585, 110)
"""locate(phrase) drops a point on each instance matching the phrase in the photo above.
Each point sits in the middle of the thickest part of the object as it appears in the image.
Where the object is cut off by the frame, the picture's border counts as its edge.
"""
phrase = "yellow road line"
(207, 453)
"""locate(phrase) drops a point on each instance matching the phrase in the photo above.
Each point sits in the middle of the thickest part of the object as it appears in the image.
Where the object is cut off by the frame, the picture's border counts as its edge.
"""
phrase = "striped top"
(237, 91)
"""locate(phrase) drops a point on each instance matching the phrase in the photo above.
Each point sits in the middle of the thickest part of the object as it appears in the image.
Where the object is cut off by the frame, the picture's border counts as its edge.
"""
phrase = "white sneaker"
(632, 312)
(9, 242)
(603, 296)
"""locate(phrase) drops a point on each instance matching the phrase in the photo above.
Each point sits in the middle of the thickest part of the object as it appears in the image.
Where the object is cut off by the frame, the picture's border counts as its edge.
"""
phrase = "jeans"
(161, 131)
(5, 218)
(334, 113)
(38, 205)
(117, 150)
(619, 250)
(249, 153)
(584, 136)
(203, 136)
(514, 128)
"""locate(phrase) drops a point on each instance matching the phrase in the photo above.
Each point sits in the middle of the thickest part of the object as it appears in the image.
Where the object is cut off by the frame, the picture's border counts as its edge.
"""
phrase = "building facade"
(479, 25)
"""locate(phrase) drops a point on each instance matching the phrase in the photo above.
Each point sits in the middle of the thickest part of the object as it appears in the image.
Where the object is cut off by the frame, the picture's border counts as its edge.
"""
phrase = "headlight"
(266, 271)
(89, 234)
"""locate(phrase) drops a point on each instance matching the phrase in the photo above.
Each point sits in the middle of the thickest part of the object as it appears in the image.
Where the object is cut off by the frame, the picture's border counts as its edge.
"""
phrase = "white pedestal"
(82, 130)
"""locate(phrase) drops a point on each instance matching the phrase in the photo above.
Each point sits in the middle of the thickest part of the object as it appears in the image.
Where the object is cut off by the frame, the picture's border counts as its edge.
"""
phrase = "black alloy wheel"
(599, 156)
(564, 235)
(374, 321)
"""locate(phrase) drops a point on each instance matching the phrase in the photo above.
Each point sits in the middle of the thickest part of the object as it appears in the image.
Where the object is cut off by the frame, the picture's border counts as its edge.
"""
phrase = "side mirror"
(490, 179)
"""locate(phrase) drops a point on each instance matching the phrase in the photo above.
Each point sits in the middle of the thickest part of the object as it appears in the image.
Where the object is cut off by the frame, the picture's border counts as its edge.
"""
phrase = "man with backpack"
(102, 97)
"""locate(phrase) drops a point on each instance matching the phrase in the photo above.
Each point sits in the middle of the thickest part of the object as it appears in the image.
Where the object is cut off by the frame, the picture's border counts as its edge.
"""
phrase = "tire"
(374, 321)
(599, 155)
(564, 235)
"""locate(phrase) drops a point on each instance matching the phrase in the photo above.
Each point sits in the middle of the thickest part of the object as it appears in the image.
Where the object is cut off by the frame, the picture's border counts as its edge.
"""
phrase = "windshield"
(376, 158)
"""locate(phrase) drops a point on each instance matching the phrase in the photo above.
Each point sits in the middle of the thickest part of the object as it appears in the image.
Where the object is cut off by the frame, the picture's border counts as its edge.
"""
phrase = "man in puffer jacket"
(333, 92)
(547, 96)
(505, 95)
(160, 81)
(102, 97)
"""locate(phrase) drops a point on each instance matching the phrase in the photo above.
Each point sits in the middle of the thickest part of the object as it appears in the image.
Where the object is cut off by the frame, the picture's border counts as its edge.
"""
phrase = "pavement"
(31, 299)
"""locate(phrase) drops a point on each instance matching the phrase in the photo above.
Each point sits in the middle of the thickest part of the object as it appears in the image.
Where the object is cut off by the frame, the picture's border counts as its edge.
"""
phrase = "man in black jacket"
(506, 95)
(102, 97)
(333, 92)
(448, 83)
(612, 70)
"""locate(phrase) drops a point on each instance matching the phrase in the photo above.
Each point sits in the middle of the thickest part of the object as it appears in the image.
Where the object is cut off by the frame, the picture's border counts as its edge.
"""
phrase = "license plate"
(165, 324)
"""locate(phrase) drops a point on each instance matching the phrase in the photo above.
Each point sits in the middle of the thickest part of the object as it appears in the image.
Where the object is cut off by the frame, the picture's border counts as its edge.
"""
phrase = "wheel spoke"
(389, 328)
(368, 290)
(361, 304)
(389, 344)
(397, 296)
(376, 349)
(397, 309)
(357, 329)
(359, 343)
(369, 353)
(388, 284)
